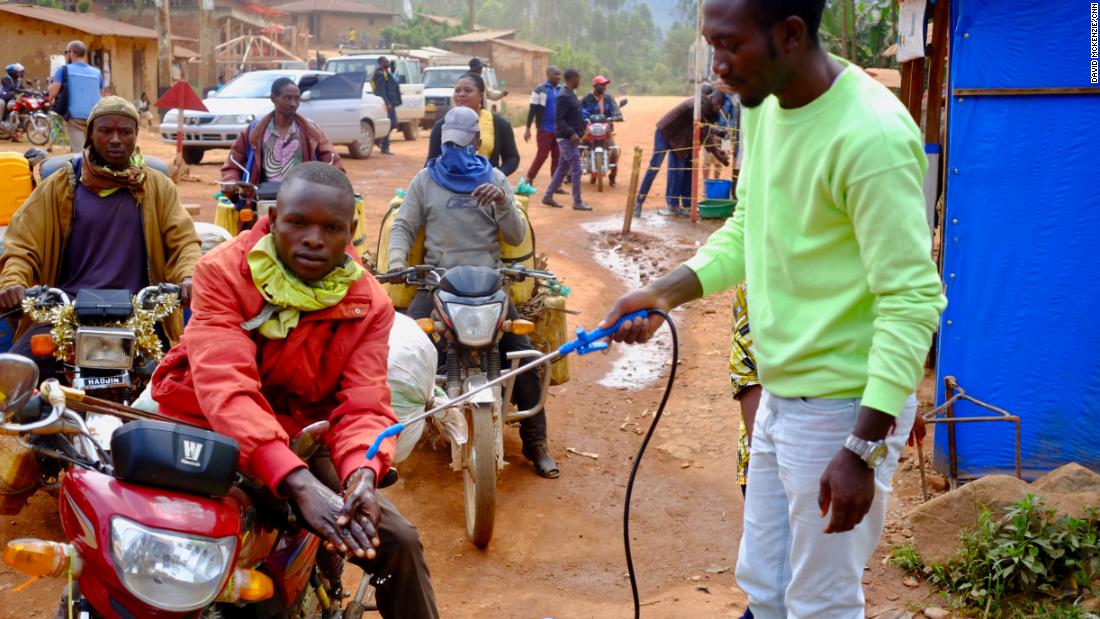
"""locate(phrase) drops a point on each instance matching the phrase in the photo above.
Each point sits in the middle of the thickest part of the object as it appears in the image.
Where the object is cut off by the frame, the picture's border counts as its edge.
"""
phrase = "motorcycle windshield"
(469, 281)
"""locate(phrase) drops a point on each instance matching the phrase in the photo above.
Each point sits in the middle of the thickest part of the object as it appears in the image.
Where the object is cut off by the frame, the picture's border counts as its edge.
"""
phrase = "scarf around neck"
(104, 181)
(460, 170)
(287, 296)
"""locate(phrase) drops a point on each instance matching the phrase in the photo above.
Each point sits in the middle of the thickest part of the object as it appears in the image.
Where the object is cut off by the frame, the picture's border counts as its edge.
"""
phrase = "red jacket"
(315, 147)
(259, 391)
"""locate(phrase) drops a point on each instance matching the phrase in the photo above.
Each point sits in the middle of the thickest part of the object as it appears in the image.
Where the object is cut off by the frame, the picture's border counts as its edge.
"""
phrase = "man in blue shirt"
(83, 85)
(541, 112)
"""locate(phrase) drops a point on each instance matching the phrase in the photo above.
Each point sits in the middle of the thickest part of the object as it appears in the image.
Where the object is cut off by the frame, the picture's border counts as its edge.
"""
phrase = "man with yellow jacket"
(106, 221)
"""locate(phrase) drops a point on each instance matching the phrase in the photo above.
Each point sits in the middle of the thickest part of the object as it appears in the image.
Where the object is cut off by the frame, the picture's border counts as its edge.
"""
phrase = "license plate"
(98, 382)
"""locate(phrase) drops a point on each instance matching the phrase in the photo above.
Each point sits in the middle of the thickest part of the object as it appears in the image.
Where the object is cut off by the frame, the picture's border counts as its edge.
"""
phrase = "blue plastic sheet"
(1022, 237)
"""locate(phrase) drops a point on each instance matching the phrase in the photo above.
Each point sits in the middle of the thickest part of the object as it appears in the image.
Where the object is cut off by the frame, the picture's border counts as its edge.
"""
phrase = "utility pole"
(470, 18)
(208, 40)
(164, 48)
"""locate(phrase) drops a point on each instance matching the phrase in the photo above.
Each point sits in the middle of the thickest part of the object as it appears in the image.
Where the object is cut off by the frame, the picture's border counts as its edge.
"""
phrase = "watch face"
(877, 455)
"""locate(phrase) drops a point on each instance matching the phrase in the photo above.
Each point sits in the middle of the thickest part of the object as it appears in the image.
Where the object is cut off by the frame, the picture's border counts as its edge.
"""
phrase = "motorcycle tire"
(37, 128)
(479, 476)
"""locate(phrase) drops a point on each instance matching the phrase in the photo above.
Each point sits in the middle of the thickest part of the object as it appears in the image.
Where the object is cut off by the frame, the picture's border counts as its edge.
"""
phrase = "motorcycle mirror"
(18, 376)
(623, 101)
(308, 440)
(234, 162)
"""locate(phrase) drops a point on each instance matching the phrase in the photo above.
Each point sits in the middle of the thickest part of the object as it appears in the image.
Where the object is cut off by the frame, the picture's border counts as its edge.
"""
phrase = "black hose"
(638, 460)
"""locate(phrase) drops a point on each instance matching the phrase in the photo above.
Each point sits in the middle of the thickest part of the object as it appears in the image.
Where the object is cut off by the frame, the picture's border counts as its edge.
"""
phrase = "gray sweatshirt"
(456, 231)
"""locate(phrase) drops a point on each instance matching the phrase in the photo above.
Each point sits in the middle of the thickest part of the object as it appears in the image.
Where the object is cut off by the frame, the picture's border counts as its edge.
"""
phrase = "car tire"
(192, 155)
(364, 146)
(411, 131)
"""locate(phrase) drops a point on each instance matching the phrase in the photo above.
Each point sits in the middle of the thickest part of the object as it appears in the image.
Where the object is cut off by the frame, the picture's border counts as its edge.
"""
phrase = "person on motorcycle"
(10, 85)
(462, 202)
(598, 102)
(105, 221)
(288, 330)
(273, 144)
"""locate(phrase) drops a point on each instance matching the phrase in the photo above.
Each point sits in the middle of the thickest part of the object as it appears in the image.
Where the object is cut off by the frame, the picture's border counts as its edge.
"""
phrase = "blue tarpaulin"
(1022, 236)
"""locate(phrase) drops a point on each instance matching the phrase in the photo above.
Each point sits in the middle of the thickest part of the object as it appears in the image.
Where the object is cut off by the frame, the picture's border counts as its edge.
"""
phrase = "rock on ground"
(938, 523)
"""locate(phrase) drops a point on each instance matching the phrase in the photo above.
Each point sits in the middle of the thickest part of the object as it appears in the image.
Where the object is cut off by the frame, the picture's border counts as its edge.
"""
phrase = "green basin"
(716, 209)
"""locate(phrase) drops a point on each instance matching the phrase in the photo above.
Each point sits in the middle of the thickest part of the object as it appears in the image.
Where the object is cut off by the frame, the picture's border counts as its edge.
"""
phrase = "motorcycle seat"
(53, 164)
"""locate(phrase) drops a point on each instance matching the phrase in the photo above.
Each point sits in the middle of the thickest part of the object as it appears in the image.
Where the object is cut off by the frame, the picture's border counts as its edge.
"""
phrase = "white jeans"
(788, 567)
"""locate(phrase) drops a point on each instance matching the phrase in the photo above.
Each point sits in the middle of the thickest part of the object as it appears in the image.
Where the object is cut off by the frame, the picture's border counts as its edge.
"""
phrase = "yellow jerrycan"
(16, 184)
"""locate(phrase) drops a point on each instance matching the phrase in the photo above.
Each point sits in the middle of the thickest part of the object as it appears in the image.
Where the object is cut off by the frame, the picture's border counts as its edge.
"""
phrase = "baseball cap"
(599, 79)
(460, 126)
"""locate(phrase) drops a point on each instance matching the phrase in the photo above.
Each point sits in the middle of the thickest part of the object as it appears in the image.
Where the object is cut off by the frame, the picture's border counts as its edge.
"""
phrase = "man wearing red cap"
(597, 102)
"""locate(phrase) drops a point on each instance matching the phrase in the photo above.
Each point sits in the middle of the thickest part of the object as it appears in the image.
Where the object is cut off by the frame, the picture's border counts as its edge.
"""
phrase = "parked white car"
(336, 103)
(407, 70)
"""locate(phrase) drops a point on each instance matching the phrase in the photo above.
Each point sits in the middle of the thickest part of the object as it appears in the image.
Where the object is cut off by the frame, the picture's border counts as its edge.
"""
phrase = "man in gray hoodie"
(462, 203)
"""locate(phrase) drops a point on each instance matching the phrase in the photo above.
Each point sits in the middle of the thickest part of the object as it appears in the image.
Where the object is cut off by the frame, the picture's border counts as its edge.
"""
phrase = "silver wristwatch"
(871, 452)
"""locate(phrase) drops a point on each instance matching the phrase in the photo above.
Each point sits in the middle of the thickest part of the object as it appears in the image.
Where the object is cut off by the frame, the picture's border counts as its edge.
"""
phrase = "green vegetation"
(906, 558)
(1005, 564)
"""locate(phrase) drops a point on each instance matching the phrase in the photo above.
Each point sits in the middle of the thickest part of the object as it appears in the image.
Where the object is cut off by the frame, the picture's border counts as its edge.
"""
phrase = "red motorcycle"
(163, 526)
(596, 148)
(27, 115)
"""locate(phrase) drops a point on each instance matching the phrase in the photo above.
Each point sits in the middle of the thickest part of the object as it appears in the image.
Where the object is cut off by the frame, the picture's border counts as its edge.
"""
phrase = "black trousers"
(399, 573)
(528, 387)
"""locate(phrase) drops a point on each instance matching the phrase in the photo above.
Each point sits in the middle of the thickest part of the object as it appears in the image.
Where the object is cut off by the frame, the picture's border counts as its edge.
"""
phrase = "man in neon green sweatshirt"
(831, 237)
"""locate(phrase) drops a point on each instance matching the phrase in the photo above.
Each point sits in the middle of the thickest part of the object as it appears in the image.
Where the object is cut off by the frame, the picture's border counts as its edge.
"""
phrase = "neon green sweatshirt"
(830, 232)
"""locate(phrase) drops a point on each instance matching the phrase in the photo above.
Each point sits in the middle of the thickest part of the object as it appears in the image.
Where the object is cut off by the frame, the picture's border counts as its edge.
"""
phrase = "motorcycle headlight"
(598, 130)
(475, 325)
(105, 348)
(169, 570)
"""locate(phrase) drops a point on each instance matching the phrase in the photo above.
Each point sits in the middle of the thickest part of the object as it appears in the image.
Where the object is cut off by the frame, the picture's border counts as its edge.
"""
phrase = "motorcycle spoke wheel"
(479, 476)
(38, 131)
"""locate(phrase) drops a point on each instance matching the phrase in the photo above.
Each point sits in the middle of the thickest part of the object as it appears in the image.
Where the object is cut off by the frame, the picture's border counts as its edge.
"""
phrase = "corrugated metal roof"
(332, 6)
(84, 22)
(522, 45)
(480, 37)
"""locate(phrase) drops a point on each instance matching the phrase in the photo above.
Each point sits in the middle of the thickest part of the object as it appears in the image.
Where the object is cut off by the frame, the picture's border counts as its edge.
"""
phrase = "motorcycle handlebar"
(159, 289)
(44, 295)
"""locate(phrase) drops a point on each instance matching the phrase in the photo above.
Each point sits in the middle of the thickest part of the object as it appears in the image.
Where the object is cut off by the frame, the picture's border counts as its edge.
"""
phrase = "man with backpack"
(76, 88)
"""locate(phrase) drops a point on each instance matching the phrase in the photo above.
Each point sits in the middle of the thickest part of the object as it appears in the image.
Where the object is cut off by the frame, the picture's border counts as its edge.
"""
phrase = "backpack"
(61, 101)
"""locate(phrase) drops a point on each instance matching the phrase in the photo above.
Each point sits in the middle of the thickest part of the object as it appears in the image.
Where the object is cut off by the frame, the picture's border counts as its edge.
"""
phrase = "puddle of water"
(634, 367)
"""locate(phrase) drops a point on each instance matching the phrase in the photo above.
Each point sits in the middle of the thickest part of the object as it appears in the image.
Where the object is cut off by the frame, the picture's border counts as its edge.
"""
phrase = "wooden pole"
(164, 47)
(700, 60)
(936, 72)
(632, 190)
(208, 32)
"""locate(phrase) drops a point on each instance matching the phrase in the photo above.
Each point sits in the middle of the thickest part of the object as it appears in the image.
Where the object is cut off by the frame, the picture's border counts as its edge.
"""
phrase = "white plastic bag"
(411, 374)
(210, 235)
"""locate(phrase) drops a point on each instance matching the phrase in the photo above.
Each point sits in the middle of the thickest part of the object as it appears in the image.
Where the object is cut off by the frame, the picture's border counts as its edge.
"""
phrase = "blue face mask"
(460, 169)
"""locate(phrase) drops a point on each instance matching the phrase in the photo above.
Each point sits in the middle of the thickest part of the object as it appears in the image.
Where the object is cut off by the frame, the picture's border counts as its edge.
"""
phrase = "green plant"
(907, 558)
(84, 6)
(1031, 550)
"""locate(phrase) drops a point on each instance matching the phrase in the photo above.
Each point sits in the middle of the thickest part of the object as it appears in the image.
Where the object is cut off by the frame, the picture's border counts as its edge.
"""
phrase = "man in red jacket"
(287, 330)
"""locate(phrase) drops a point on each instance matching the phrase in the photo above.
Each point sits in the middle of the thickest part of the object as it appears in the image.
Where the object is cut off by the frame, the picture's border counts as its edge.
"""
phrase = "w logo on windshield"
(191, 453)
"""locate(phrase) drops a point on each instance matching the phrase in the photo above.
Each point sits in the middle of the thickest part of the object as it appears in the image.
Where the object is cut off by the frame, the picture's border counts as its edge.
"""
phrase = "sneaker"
(581, 207)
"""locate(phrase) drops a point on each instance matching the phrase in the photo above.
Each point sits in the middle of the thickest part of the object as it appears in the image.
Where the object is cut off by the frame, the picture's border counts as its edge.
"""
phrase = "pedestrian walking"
(385, 85)
(76, 88)
(541, 113)
(568, 127)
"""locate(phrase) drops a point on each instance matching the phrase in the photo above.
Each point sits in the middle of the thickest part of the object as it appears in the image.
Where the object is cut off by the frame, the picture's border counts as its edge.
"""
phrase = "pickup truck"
(336, 103)
(410, 113)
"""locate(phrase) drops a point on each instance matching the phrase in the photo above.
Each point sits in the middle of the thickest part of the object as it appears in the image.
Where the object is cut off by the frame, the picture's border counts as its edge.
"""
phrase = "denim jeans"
(384, 141)
(569, 163)
(678, 186)
(788, 567)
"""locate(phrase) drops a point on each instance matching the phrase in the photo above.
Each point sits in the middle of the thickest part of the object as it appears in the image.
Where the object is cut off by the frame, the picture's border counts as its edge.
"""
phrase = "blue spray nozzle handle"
(587, 342)
(393, 430)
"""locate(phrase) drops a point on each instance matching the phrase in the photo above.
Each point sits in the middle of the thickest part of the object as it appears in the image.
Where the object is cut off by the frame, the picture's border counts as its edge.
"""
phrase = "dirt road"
(557, 550)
